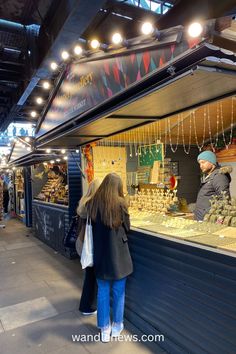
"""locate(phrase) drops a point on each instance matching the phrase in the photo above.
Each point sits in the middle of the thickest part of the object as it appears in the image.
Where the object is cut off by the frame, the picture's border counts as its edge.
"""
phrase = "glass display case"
(50, 183)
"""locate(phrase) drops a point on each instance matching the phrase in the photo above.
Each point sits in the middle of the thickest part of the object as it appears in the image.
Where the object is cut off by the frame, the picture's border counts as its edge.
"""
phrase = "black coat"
(217, 182)
(112, 260)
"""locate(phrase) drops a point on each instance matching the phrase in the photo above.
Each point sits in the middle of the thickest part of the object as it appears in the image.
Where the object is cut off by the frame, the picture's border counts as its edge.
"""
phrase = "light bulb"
(48, 151)
(63, 151)
(117, 38)
(39, 100)
(65, 158)
(58, 160)
(33, 114)
(94, 44)
(195, 29)
(147, 28)
(46, 85)
(78, 50)
(52, 161)
(65, 55)
(53, 65)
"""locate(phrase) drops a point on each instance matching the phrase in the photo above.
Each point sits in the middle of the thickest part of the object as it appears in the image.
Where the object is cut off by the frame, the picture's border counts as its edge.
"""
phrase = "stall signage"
(88, 84)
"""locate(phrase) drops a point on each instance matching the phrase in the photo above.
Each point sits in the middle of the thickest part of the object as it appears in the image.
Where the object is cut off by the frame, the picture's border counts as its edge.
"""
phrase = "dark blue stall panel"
(186, 293)
(49, 223)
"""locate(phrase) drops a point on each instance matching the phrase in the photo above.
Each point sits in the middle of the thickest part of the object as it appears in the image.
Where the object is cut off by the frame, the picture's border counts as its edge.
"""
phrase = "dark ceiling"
(26, 50)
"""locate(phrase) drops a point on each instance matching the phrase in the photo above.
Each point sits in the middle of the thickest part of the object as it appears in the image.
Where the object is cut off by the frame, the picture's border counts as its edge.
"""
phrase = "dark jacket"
(112, 260)
(217, 182)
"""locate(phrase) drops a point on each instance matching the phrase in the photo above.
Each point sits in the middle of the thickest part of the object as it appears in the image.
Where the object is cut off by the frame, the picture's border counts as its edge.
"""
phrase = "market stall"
(148, 124)
(52, 183)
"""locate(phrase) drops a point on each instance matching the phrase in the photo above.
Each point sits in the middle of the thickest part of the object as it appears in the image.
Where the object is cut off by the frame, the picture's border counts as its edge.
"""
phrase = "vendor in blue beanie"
(216, 179)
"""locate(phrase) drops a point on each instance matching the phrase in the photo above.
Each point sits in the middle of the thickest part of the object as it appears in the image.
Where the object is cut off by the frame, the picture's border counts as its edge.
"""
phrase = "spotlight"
(39, 100)
(63, 151)
(48, 151)
(147, 28)
(195, 30)
(33, 114)
(58, 160)
(77, 151)
(52, 161)
(53, 65)
(78, 50)
(13, 168)
(65, 55)
(65, 158)
(117, 38)
(46, 85)
(95, 44)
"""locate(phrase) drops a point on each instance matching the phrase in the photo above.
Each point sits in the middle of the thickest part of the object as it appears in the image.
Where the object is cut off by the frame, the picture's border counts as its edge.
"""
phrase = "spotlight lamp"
(94, 44)
(39, 100)
(48, 151)
(53, 66)
(33, 114)
(117, 38)
(52, 161)
(65, 55)
(147, 28)
(195, 29)
(46, 85)
(63, 151)
(78, 50)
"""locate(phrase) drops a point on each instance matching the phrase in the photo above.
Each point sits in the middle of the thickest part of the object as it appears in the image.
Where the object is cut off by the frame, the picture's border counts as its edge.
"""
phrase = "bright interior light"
(65, 158)
(117, 38)
(147, 28)
(46, 85)
(39, 100)
(53, 65)
(78, 50)
(65, 55)
(33, 114)
(48, 151)
(27, 139)
(52, 161)
(58, 160)
(63, 151)
(195, 29)
(77, 151)
(94, 44)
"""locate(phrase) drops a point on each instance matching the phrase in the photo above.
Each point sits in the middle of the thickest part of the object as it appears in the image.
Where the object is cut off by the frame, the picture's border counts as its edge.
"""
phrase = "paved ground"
(39, 299)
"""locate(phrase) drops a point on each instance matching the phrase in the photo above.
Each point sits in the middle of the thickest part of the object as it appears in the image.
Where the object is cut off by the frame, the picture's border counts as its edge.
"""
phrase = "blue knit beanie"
(207, 156)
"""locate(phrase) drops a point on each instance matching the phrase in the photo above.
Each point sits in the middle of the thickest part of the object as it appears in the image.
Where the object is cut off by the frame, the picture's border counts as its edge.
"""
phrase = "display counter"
(181, 227)
(184, 291)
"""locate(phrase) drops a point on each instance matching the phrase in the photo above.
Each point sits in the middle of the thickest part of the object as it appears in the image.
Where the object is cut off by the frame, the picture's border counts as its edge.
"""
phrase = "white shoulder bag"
(86, 258)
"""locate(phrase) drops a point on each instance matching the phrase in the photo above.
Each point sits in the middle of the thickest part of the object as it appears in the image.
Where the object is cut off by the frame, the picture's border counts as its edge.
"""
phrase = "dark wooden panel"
(183, 292)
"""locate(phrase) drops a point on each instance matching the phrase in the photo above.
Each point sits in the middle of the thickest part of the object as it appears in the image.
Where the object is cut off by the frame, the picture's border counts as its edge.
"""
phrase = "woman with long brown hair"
(112, 261)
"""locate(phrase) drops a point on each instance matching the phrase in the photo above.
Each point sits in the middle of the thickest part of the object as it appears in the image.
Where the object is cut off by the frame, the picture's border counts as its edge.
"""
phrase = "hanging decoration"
(88, 154)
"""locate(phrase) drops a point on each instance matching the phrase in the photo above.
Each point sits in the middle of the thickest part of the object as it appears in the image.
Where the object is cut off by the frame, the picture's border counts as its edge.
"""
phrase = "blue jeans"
(103, 301)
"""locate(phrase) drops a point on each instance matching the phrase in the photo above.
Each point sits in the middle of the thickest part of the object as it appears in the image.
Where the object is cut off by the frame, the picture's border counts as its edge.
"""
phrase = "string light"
(117, 38)
(46, 85)
(190, 132)
(195, 131)
(147, 28)
(195, 30)
(94, 44)
(39, 100)
(65, 55)
(53, 66)
(78, 50)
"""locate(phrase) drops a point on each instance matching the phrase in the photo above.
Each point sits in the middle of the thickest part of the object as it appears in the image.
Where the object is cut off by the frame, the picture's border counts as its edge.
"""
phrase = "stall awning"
(211, 78)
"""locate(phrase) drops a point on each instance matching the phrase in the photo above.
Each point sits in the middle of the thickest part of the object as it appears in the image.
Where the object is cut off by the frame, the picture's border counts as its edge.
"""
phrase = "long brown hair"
(92, 188)
(109, 201)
